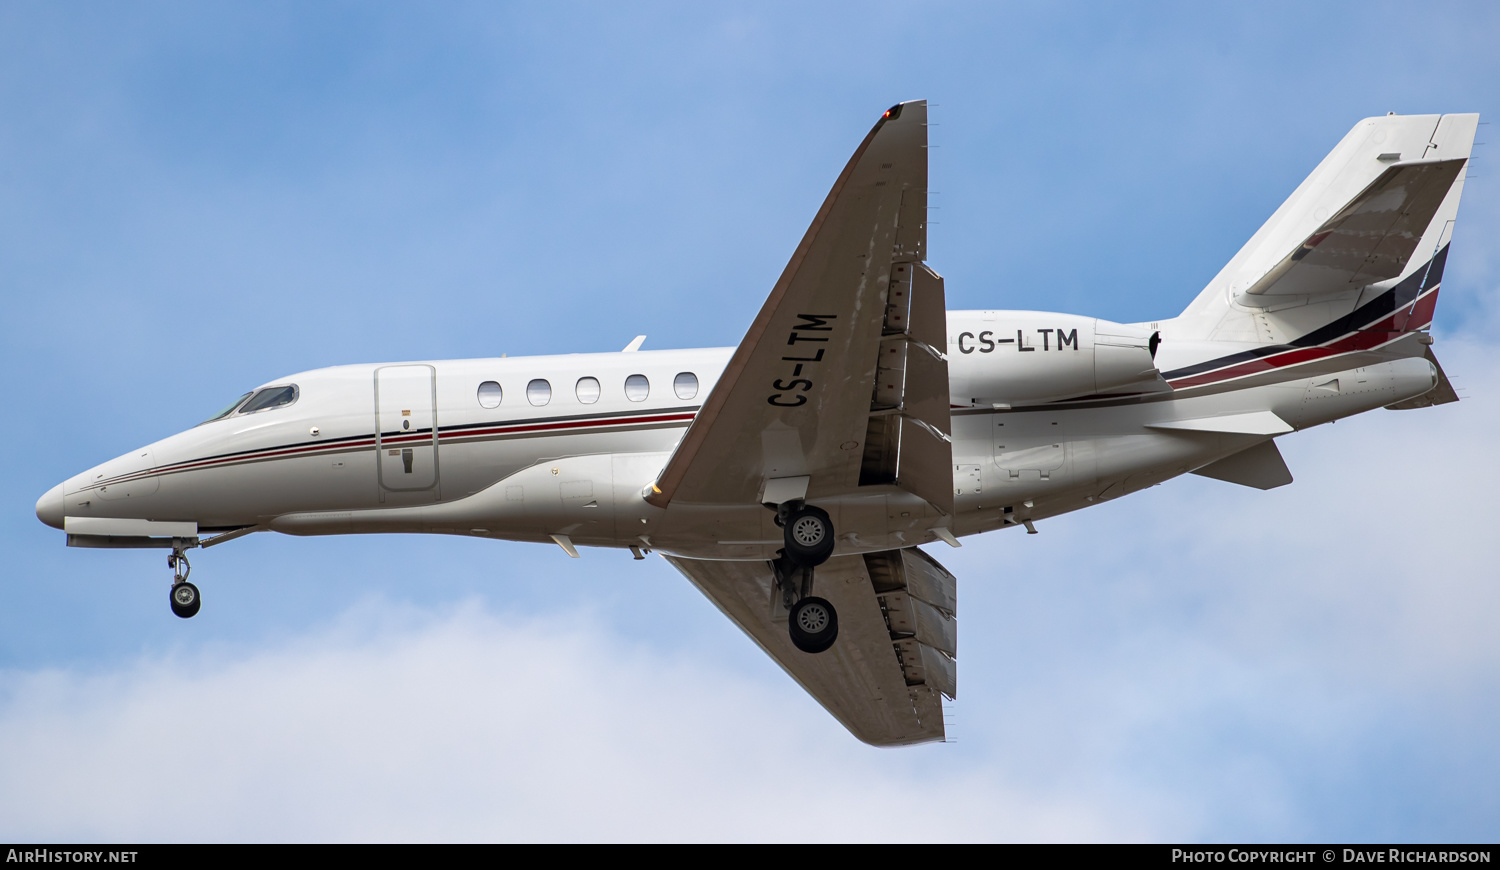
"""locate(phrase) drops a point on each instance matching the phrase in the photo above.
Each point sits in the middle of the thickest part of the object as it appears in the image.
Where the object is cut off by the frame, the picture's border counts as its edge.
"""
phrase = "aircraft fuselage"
(570, 443)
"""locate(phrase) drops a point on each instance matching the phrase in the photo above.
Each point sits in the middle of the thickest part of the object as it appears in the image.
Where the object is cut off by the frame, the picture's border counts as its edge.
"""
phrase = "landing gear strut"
(811, 621)
(185, 598)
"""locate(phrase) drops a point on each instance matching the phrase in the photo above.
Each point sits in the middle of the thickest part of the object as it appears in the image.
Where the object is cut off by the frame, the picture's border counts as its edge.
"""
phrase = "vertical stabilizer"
(1376, 212)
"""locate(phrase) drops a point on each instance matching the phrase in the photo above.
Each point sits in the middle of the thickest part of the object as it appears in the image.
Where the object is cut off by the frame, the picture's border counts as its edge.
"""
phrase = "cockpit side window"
(228, 410)
(271, 397)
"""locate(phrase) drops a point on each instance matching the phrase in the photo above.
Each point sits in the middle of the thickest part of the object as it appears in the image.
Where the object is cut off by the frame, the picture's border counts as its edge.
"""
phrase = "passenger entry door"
(406, 430)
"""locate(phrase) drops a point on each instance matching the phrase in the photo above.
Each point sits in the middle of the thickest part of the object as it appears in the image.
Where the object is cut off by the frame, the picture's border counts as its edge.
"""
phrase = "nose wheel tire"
(185, 600)
(808, 533)
(813, 624)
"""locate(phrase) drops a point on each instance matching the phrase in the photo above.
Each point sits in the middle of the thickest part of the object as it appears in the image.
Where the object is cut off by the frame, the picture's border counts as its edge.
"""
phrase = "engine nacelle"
(1027, 357)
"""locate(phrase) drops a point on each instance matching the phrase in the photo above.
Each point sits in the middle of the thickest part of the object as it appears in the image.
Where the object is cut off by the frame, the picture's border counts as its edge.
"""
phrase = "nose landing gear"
(185, 597)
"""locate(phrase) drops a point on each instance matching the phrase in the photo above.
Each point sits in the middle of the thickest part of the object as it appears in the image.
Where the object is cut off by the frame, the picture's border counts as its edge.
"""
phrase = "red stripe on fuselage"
(1381, 332)
(414, 438)
(565, 425)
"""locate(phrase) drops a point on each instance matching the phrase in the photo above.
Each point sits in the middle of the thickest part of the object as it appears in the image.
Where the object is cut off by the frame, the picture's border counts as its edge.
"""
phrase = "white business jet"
(793, 478)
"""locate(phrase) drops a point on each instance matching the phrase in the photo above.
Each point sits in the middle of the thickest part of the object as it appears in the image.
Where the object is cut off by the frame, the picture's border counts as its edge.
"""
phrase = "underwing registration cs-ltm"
(793, 478)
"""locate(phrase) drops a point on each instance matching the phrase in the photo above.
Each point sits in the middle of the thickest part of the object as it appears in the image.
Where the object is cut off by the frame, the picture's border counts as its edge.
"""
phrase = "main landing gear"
(185, 597)
(808, 534)
(813, 625)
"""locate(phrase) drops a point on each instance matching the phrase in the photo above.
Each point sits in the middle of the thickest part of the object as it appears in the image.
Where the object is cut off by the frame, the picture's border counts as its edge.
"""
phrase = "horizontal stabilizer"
(1441, 394)
(1260, 467)
(1253, 423)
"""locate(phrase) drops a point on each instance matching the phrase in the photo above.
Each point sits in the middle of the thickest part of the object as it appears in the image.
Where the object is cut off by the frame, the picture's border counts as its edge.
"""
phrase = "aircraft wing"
(800, 399)
(895, 653)
(1370, 239)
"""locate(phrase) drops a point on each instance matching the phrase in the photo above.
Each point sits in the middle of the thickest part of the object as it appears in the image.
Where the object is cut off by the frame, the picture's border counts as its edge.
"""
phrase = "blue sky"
(202, 197)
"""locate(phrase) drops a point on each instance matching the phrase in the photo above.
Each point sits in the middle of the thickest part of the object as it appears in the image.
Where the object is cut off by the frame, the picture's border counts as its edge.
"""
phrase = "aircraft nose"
(49, 508)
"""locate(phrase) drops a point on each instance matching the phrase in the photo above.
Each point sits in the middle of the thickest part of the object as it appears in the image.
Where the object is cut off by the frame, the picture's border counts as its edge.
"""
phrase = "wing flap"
(903, 452)
(919, 574)
(915, 305)
(923, 622)
(921, 663)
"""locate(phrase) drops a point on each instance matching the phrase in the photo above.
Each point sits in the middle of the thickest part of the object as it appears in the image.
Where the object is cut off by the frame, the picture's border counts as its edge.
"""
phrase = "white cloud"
(468, 725)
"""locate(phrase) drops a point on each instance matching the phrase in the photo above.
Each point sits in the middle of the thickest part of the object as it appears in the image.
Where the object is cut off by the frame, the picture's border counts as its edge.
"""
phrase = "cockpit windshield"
(270, 397)
(229, 409)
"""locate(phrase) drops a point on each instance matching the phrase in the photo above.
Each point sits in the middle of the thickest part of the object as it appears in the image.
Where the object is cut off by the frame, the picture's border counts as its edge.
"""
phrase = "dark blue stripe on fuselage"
(1392, 300)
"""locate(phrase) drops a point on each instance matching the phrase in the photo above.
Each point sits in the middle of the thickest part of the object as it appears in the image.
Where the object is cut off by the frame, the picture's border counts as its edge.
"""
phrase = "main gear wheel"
(813, 625)
(808, 533)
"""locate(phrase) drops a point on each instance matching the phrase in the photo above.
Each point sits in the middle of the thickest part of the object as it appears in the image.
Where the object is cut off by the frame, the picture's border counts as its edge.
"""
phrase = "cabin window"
(539, 392)
(490, 394)
(685, 385)
(587, 390)
(637, 388)
(229, 410)
(271, 397)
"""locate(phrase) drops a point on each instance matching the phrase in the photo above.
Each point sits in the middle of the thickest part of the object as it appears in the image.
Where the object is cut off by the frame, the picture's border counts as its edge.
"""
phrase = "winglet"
(635, 344)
